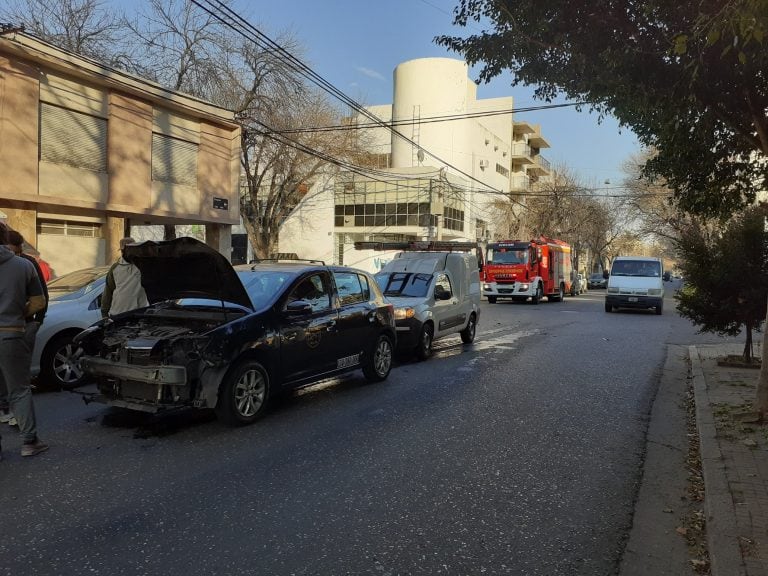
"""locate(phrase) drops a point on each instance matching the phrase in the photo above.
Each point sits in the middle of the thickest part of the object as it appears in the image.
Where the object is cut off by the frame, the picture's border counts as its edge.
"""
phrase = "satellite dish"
(420, 155)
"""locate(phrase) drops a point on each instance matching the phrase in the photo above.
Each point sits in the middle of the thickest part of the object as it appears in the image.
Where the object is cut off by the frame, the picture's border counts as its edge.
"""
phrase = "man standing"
(21, 296)
(16, 244)
(123, 290)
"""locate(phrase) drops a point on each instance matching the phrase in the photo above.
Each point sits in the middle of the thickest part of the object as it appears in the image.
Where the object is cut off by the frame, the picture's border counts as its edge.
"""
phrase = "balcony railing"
(520, 149)
(520, 182)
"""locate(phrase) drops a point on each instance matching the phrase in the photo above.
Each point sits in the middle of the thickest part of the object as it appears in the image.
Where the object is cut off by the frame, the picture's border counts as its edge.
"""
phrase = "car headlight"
(654, 292)
(613, 290)
(486, 286)
(523, 287)
(404, 313)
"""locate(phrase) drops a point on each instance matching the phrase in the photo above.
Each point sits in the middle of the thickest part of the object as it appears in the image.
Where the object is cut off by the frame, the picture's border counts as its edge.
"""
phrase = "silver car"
(75, 304)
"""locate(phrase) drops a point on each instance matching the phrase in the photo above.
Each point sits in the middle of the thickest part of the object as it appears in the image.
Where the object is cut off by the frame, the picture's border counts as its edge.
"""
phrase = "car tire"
(424, 347)
(468, 334)
(659, 310)
(608, 307)
(244, 394)
(491, 299)
(378, 362)
(60, 362)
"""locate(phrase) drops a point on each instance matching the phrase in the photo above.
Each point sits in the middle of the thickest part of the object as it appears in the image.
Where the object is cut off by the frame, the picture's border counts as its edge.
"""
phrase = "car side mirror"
(606, 274)
(299, 307)
(442, 294)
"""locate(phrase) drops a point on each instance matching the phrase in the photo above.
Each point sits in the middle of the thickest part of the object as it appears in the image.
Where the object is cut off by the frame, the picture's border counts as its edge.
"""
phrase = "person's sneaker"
(5, 416)
(13, 421)
(32, 448)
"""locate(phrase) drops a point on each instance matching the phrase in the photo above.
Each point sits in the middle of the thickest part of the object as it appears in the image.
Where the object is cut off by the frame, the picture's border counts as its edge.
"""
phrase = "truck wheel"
(491, 299)
(559, 296)
(424, 347)
(378, 361)
(468, 334)
(244, 394)
(536, 298)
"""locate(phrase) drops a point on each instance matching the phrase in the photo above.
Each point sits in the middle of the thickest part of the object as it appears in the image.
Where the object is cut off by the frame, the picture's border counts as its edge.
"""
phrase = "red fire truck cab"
(521, 269)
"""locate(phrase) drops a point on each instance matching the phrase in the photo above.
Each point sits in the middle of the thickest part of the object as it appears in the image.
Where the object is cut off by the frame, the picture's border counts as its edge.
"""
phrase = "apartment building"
(437, 174)
(86, 152)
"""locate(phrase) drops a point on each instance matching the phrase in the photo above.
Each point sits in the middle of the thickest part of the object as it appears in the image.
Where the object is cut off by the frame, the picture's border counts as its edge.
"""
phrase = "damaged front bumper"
(145, 388)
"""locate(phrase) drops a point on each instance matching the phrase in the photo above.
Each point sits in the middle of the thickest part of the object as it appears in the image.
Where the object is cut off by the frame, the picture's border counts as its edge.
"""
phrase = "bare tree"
(280, 169)
(86, 27)
(651, 204)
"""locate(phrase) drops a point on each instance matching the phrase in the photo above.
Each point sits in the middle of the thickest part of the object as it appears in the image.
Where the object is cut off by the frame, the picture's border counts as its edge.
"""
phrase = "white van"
(434, 294)
(635, 282)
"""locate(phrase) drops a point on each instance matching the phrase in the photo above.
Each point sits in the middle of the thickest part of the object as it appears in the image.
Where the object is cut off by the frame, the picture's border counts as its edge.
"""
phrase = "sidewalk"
(734, 455)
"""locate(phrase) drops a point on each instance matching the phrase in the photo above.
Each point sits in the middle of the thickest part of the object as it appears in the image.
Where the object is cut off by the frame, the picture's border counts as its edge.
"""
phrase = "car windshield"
(264, 286)
(644, 268)
(76, 284)
(506, 256)
(596, 277)
(405, 284)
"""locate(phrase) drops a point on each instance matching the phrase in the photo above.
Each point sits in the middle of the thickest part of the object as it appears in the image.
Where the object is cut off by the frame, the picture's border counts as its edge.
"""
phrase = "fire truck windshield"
(506, 256)
(406, 284)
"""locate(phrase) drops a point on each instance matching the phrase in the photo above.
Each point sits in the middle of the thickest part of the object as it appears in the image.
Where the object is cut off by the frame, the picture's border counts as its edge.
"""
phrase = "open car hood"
(186, 268)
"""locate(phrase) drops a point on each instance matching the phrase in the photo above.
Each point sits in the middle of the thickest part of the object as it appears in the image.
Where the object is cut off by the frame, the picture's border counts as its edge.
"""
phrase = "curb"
(722, 537)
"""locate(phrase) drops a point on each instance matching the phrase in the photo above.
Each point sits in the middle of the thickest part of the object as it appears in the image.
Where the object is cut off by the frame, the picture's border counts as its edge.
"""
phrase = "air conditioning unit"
(483, 164)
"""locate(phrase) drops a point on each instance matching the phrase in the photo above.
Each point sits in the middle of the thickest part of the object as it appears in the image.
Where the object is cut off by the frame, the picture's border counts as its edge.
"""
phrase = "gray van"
(435, 294)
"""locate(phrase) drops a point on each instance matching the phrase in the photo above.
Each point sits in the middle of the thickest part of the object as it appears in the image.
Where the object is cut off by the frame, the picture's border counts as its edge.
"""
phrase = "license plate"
(632, 299)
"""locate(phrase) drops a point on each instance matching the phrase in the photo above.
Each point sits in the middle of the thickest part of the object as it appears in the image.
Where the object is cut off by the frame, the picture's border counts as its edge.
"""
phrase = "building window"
(369, 204)
(68, 228)
(453, 219)
(73, 138)
(502, 170)
(174, 160)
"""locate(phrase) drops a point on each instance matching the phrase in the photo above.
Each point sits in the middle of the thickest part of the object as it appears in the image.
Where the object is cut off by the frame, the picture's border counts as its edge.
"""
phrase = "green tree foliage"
(690, 79)
(726, 275)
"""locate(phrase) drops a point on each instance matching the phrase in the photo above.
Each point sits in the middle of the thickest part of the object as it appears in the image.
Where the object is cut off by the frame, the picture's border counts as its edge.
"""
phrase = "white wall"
(308, 231)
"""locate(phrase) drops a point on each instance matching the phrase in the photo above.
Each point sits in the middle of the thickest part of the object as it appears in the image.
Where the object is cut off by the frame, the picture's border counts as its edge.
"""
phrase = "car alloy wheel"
(244, 393)
(379, 362)
(66, 364)
(250, 391)
(60, 362)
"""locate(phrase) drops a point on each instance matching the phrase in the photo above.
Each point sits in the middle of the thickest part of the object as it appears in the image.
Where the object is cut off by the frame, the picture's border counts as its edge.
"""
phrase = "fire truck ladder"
(416, 246)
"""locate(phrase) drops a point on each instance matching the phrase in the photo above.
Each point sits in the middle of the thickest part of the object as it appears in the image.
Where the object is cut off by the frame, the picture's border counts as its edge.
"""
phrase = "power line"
(428, 119)
(252, 33)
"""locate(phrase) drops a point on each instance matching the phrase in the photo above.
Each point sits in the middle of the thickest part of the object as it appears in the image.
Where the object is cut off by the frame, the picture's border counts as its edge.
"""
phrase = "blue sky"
(356, 45)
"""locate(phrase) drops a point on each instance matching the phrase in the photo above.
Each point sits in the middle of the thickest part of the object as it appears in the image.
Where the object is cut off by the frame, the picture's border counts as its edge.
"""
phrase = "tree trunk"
(169, 232)
(747, 354)
(761, 401)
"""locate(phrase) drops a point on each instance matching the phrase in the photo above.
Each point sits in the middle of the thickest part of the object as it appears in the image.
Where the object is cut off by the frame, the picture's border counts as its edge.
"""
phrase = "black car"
(597, 281)
(214, 337)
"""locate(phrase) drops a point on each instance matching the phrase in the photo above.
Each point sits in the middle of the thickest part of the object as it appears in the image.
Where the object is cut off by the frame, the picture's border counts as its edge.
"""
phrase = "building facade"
(439, 173)
(87, 152)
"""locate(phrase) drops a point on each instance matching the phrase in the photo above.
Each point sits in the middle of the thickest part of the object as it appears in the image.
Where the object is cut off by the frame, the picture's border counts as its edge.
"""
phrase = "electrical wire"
(250, 32)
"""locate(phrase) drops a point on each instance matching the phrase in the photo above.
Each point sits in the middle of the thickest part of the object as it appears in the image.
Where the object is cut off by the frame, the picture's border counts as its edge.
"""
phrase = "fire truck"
(522, 270)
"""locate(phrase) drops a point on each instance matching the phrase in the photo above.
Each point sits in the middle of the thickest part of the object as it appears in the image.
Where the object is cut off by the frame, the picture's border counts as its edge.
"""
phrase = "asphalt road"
(519, 454)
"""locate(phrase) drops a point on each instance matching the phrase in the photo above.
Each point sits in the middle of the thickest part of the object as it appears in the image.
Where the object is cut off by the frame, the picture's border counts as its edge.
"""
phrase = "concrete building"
(86, 152)
(436, 175)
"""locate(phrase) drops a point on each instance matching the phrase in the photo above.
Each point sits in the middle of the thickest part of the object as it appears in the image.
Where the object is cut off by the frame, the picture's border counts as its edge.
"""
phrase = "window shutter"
(73, 138)
(174, 160)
